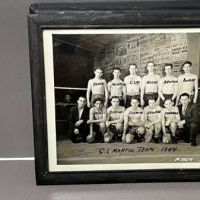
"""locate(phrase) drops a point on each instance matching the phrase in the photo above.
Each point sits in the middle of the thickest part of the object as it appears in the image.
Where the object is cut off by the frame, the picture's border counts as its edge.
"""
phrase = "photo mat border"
(37, 23)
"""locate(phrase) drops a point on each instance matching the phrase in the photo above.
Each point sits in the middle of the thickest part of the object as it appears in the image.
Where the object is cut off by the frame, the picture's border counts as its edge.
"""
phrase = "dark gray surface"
(17, 182)
(17, 177)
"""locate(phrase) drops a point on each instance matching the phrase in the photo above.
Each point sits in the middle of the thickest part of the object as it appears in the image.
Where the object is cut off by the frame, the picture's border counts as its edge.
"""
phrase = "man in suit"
(190, 119)
(78, 117)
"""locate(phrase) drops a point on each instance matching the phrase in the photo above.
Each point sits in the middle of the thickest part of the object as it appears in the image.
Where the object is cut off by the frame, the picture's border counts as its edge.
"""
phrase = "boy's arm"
(124, 92)
(160, 85)
(106, 94)
(195, 90)
(178, 90)
(142, 92)
(89, 88)
(163, 122)
(175, 90)
(125, 123)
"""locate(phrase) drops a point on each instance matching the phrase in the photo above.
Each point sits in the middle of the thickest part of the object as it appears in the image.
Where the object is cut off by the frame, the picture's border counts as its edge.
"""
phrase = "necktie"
(183, 110)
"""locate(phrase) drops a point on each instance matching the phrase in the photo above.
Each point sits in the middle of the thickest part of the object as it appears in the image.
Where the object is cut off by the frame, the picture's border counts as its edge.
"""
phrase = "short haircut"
(185, 95)
(114, 97)
(149, 63)
(116, 68)
(168, 64)
(152, 98)
(133, 64)
(135, 98)
(187, 62)
(98, 99)
(82, 97)
(98, 68)
(168, 99)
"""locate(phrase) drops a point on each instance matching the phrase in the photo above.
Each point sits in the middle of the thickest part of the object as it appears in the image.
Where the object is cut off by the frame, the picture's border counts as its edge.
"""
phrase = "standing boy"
(150, 85)
(133, 85)
(117, 87)
(168, 86)
(98, 87)
(188, 83)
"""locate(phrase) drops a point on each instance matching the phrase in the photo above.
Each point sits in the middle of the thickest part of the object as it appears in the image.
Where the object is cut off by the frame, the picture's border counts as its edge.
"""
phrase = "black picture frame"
(114, 15)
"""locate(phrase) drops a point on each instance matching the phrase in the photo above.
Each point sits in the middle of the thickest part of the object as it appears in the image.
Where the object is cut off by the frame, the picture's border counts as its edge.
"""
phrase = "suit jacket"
(192, 113)
(74, 116)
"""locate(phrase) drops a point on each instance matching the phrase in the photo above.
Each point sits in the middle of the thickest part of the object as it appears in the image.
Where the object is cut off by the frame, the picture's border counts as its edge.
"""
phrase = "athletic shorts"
(167, 96)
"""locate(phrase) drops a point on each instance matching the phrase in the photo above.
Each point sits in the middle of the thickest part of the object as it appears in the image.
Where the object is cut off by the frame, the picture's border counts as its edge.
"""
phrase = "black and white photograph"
(121, 99)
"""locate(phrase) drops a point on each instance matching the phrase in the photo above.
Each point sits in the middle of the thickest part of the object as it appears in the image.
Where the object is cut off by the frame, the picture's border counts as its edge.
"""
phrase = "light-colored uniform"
(133, 88)
(116, 88)
(187, 83)
(97, 86)
(168, 86)
(133, 85)
(151, 115)
(171, 118)
(150, 84)
(114, 115)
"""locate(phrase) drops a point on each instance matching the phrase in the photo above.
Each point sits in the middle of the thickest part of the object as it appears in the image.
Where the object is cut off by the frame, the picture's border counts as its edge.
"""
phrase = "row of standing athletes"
(122, 124)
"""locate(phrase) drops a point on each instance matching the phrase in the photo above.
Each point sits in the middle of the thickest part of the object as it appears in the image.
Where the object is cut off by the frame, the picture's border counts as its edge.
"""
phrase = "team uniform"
(97, 86)
(98, 127)
(152, 115)
(186, 84)
(168, 87)
(150, 87)
(115, 114)
(134, 116)
(117, 88)
(133, 87)
(170, 123)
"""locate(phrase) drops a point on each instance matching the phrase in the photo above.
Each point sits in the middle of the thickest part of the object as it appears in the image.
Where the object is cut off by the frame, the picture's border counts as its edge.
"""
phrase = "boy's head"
(98, 103)
(152, 102)
(115, 101)
(133, 69)
(98, 72)
(81, 101)
(116, 72)
(184, 99)
(168, 68)
(168, 103)
(187, 65)
(150, 66)
(134, 102)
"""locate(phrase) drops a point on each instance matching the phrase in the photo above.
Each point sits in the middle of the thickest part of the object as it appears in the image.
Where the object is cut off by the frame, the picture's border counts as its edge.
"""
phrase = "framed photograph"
(115, 91)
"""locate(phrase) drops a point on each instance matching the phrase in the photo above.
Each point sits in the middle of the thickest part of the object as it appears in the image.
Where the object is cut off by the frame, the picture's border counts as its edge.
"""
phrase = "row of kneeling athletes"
(151, 84)
(166, 125)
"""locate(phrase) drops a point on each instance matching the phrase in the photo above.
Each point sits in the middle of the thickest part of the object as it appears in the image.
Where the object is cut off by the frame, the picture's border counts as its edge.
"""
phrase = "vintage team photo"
(121, 97)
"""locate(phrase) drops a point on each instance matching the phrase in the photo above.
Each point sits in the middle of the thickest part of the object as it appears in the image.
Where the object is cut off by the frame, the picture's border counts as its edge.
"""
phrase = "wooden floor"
(101, 153)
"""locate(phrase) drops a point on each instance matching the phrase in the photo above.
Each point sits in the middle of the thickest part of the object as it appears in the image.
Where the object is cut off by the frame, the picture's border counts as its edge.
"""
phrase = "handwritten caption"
(134, 150)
